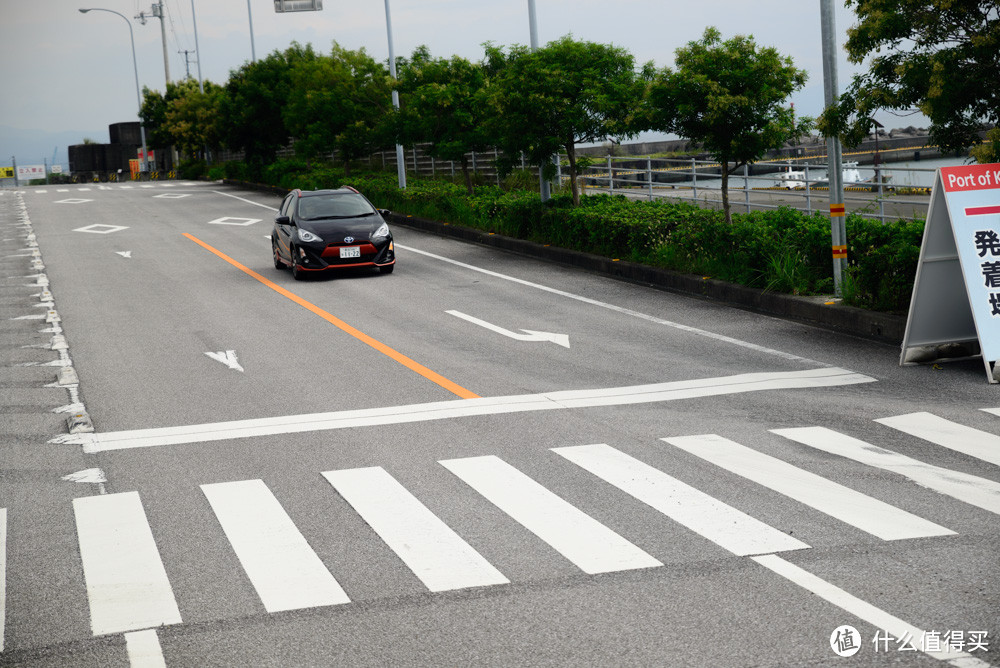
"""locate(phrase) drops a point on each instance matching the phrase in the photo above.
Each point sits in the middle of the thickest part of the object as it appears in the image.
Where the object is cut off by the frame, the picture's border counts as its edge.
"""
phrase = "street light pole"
(253, 49)
(400, 164)
(543, 185)
(144, 165)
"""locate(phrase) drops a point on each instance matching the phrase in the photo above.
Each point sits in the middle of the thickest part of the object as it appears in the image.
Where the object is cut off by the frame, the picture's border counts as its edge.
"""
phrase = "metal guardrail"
(759, 186)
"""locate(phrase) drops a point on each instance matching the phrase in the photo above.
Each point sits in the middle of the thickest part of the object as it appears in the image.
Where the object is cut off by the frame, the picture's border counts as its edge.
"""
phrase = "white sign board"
(29, 172)
(297, 5)
(956, 294)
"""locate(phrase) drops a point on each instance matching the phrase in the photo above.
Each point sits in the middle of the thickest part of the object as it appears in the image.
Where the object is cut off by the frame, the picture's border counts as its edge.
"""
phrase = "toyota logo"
(348, 240)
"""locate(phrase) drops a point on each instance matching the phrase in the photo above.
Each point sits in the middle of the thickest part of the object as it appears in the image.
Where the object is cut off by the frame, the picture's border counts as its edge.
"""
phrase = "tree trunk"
(571, 154)
(725, 191)
(465, 173)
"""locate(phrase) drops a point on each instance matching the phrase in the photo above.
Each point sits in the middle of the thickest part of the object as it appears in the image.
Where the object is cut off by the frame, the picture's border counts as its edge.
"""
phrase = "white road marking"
(127, 254)
(227, 357)
(863, 610)
(587, 300)
(971, 489)
(99, 228)
(720, 523)
(3, 574)
(285, 571)
(144, 649)
(615, 396)
(127, 585)
(530, 335)
(437, 555)
(845, 504)
(618, 309)
(969, 441)
(229, 220)
(590, 545)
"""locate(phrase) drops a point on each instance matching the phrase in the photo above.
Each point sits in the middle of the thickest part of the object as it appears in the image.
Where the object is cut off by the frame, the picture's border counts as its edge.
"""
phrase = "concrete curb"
(884, 327)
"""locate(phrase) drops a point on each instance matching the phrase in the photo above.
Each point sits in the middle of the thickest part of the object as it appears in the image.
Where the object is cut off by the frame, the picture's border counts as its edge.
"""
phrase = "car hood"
(336, 229)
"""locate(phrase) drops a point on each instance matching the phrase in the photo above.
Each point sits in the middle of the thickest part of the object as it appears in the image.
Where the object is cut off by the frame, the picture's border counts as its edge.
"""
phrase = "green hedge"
(783, 250)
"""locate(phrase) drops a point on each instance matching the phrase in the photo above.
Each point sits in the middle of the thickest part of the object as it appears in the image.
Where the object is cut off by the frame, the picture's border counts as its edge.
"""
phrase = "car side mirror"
(384, 212)
(283, 220)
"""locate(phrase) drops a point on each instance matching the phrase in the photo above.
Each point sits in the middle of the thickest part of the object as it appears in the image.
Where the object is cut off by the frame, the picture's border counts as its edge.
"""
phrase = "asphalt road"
(399, 470)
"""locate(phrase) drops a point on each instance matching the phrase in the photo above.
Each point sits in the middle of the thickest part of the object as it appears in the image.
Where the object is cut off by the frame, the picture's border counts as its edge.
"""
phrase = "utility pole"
(157, 12)
(187, 62)
(834, 165)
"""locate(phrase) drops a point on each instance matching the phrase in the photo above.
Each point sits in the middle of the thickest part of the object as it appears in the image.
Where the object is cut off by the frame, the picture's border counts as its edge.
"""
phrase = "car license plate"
(350, 251)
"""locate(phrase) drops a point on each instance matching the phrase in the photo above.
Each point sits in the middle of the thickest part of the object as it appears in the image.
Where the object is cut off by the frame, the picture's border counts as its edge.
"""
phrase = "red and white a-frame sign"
(956, 294)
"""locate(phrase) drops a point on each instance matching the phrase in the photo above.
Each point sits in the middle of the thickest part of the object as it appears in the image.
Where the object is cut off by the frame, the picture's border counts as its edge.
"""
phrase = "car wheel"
(278, 264)
(387, 269)
(297, 272)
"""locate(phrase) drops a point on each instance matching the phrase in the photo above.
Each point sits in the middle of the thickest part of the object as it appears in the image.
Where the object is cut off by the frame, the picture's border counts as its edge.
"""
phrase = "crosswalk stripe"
(127, 586)
(437, 555)
(144, 649)
(705, 515)
(878, 618)
(948, 434)
(593, 547)
(843, 503)
(3, 573)
(285, 571)
(971, 489)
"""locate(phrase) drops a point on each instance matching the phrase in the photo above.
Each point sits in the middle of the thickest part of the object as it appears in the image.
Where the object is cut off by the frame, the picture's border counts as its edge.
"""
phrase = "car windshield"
(347, 205)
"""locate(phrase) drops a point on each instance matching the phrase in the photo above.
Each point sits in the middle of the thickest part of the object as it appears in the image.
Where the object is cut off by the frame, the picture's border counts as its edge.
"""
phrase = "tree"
(338, 102)
(939, 56)
(251, 108)
(730, 97)
(192, 117)
(445, 104)
(565, 93)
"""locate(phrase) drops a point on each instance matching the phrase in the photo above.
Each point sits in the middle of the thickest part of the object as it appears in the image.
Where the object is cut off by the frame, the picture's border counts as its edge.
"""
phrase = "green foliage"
(730, 97)
(939, 56)
(256, 94)
(336, 103)
(558, 96)
(988, 151)
(192, 169)
(444, 105)
(882, 262)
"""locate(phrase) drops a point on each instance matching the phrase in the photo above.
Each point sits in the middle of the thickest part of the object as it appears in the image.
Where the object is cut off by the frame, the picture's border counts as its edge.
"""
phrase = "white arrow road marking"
(127, 254)
(530, 335)
(228, 358)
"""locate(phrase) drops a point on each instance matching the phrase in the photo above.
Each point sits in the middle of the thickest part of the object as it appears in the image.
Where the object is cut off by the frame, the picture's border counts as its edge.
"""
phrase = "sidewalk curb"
(883, 327)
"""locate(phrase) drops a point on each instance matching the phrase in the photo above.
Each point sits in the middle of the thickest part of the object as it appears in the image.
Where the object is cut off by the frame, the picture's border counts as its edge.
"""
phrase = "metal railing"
(888, 193)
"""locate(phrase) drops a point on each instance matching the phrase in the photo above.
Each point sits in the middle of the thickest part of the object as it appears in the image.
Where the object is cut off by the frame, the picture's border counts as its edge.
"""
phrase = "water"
(915, 173)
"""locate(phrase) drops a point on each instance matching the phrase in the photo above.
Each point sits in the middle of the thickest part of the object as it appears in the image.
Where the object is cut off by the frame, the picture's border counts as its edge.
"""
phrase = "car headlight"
(306, 235)
(381, 233)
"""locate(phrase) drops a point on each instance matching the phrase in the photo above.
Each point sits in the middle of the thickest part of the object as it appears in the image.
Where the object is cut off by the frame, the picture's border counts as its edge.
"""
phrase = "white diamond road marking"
(98, 228)
(127, 586)
(73, 200)
(171, 196)
(591, 546)
(437, 555)
(234, 221)
(285, 571)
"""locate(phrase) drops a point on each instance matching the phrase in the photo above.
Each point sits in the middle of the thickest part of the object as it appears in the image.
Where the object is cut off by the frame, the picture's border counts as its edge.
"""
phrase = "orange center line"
(432, 376)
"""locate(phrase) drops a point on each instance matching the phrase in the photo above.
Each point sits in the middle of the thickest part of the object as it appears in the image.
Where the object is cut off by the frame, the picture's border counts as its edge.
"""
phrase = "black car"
(325, 230)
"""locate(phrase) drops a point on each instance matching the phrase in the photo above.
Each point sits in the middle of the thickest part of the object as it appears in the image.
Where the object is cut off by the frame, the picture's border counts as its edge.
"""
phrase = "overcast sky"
(70, 72)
